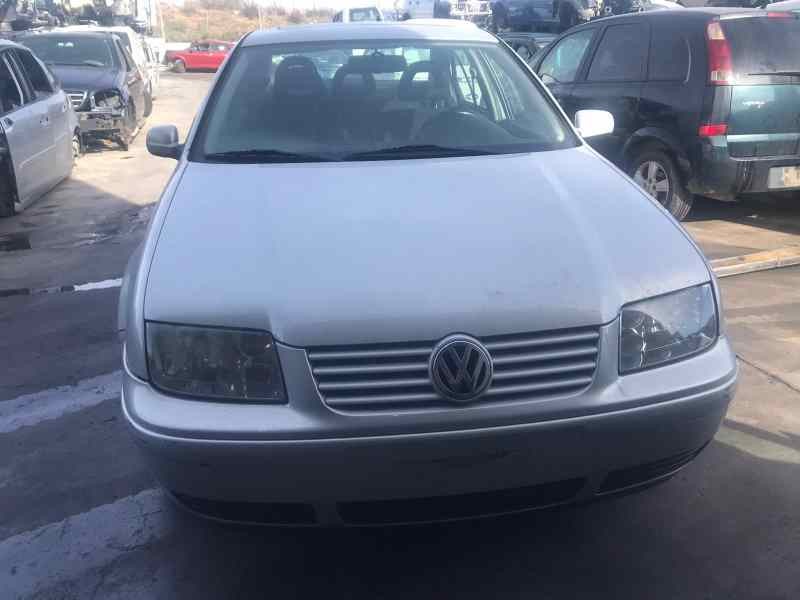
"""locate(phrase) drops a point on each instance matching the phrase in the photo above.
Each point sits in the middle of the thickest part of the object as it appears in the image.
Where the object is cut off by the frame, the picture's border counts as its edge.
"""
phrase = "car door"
(562, 64)
(134, 80)
(614, 81)
(62, 122)
(26, 128)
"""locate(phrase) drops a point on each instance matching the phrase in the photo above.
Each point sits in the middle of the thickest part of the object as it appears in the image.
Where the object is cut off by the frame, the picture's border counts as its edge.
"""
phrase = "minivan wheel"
(179, 66)
(148, 102)
(656, 174)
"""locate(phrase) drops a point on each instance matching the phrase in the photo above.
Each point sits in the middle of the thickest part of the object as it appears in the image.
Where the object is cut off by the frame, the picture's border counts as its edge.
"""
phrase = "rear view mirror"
(163, 141)
(591, 123)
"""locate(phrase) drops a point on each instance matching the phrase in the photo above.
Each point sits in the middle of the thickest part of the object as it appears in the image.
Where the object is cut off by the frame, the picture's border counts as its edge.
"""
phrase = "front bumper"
(101, 124)
(303, 463)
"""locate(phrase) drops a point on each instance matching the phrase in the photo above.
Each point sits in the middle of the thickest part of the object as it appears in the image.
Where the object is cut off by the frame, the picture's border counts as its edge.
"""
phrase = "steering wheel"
(462, 126)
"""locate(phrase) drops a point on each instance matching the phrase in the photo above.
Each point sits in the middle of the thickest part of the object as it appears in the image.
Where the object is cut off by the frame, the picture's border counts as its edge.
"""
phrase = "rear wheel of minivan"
(657, 174)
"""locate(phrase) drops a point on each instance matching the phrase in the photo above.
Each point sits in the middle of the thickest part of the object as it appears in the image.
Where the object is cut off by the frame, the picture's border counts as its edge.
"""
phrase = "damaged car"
(105, 86)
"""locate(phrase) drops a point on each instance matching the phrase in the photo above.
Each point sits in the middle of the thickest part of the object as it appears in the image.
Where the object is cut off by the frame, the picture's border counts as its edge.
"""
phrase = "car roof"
(101, 29)
(422, 29)
(698, 13)
(66, 31)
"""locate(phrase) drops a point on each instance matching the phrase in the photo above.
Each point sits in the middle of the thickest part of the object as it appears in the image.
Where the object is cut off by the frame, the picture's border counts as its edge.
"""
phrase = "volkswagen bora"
(389, 282)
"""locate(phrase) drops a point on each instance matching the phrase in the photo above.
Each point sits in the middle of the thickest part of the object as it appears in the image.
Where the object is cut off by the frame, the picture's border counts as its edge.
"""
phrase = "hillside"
(192, 22)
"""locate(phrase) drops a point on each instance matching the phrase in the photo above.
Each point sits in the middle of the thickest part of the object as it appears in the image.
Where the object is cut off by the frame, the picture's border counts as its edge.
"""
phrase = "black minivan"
(705, 101)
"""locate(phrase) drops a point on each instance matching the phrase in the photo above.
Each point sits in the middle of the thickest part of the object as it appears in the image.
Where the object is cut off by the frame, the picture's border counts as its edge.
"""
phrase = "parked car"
(386, 338)
(705, 101)
(153, 66)
(358, 14)
(39, 134)
(206, 55)
(106, 88)
(135, 44)
(530, 15)
(527, 44)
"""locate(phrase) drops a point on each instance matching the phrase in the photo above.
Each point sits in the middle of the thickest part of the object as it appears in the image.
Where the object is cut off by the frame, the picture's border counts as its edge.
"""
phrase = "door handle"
(44, 121)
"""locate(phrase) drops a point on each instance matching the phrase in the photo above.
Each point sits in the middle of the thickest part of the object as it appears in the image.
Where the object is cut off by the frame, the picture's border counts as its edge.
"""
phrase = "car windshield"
(85, 51)
(347, 101)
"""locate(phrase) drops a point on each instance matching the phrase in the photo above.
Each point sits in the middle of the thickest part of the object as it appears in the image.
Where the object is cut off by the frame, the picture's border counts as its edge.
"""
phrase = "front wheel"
(77, 147)
(125, 136)
(656, 173)
(179, 66)
(7, 191)
(148, 102)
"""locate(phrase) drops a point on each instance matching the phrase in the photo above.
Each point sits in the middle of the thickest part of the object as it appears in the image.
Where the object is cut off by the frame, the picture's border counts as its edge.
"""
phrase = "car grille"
(77, 99)
(395, 376)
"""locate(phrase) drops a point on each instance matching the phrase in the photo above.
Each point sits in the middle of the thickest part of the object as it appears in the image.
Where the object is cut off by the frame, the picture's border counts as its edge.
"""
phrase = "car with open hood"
(409, 291)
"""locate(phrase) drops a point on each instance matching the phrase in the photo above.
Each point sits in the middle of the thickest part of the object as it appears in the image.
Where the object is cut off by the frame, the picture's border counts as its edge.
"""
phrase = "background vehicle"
(705, 101)
(107, 90)
(39, 135)
(527, 44)
(206, 55)
(359, 14)
(153, 67)
(422, 9)
(135, 45)
(529, 15)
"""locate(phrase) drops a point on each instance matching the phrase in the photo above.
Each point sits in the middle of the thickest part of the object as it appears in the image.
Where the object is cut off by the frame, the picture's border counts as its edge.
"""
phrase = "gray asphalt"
(80, 517)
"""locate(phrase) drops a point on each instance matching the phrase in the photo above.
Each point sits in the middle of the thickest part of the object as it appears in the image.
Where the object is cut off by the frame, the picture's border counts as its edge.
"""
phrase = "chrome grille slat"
(380, 377)
(537, 356)
(538, 371)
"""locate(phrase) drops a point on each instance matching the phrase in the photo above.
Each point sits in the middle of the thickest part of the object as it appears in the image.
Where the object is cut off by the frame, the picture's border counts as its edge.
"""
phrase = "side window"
(36, 74)
(337, 18)
(10, 91)
(621, 55)
(563, 61)
(669, 56)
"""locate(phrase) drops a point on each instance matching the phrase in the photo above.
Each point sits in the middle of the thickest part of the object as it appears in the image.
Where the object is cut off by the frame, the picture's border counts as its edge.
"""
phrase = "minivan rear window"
(764, 45)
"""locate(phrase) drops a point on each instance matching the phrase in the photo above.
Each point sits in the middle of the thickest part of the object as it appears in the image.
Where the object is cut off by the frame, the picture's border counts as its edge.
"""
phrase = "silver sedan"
(406, 290)
(39, 136)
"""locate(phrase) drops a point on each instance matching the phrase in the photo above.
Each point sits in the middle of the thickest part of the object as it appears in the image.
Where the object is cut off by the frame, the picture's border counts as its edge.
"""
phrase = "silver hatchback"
(389, 282)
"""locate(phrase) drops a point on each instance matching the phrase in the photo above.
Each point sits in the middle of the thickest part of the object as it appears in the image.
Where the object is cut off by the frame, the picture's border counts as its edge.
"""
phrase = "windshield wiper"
(257, 156)
(416, 151)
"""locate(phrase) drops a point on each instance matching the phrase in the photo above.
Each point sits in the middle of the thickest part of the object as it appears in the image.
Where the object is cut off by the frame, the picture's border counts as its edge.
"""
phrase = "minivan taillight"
(712, 129)
(720, 66)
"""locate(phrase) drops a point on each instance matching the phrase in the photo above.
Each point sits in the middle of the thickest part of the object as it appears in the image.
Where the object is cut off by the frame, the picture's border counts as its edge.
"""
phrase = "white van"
(359, 14)
(417, 9)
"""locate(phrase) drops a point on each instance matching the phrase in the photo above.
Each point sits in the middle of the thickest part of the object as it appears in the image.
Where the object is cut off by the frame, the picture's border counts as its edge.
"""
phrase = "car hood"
(86, 78)
(361, 252)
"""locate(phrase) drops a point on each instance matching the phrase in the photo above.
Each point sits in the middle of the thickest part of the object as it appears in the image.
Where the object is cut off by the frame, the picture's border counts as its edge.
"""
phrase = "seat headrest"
(297, 77)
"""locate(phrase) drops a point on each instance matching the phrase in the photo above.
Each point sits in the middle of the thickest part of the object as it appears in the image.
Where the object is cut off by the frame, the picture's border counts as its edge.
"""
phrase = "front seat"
(299, 93)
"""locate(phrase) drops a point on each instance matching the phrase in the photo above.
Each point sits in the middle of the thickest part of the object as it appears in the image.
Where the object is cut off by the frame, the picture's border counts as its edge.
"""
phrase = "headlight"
(667, 328)
(107, 100)
(214, 363)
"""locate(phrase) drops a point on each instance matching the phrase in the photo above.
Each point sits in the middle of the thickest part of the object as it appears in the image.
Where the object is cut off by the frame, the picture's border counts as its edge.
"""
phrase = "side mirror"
(163, 141)
(591, 123)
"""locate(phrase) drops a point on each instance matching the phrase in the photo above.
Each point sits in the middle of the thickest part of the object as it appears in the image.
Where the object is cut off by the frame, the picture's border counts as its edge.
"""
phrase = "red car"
(205, 55)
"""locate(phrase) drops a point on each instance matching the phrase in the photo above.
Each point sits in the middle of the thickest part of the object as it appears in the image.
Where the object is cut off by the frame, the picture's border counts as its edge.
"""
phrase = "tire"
(179, 66)
(77, 147)
(148, 103)
(656, 173)
(125, 137)
(7, 191)
(567, 16)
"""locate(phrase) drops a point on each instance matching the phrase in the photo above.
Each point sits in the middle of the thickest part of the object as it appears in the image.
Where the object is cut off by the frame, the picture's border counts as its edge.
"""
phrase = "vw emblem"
(460, 368)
